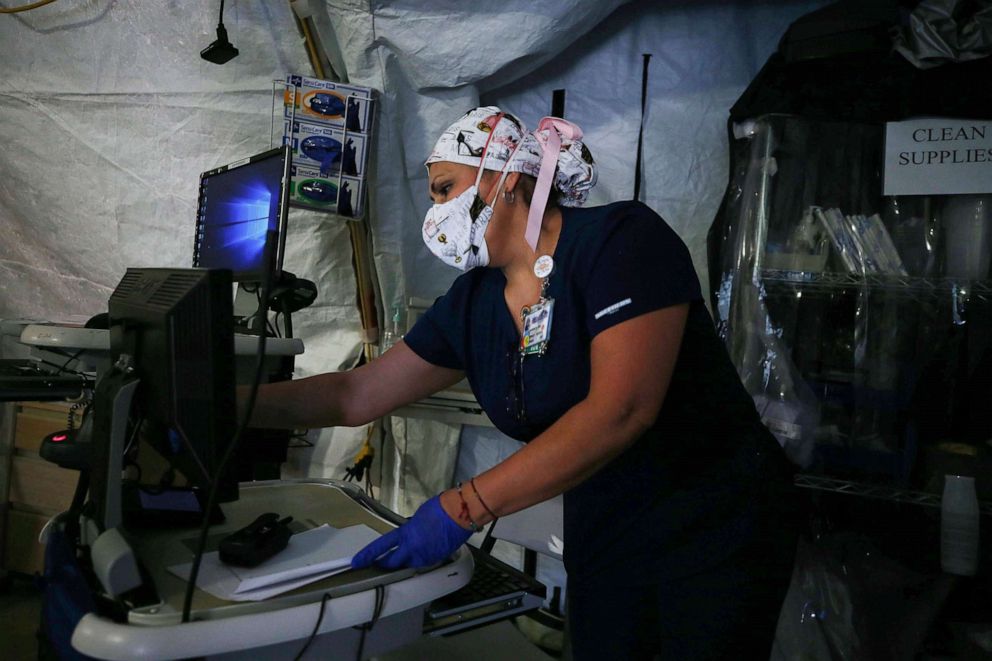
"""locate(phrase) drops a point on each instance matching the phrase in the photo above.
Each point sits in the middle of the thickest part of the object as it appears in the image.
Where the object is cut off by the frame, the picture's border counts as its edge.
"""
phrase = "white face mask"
(455, 231)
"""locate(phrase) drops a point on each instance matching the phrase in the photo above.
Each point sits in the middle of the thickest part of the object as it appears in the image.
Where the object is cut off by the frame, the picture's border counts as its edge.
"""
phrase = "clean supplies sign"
(938, 157)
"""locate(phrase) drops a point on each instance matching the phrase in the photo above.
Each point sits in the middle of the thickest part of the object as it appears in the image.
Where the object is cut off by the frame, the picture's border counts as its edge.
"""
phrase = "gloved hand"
(427, 538)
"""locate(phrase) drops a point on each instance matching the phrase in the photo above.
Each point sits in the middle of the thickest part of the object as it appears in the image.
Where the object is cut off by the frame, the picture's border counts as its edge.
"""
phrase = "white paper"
(217, 578)
(322, 549)
(310, 556)
(938, 156)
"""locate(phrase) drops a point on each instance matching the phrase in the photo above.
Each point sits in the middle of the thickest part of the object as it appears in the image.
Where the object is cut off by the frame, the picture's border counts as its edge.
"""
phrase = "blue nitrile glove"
(429, 537)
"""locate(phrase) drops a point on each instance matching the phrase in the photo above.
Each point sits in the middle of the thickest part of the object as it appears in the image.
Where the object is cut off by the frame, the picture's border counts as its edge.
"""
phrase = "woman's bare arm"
(351, 398)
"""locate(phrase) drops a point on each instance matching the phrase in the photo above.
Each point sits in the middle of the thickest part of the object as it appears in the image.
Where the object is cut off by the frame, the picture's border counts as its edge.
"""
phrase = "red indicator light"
(60, 437)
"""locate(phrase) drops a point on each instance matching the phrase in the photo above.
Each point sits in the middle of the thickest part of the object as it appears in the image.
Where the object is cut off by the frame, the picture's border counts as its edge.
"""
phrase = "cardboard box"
(22, 551)
(317, 145)
(340, 194)
(329, 103)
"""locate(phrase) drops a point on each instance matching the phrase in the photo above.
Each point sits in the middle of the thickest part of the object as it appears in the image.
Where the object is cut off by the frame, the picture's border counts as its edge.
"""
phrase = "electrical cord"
(273, 330)
(270, 241)
(134, 435)
(313, 634)
(382, 454)
(303, 441)
(287, 319)
(363, 460)
(62, 367)
(287, 325)
(76, 507)
(28, 7)
(71, 358)
(380, 600)
(70, 423)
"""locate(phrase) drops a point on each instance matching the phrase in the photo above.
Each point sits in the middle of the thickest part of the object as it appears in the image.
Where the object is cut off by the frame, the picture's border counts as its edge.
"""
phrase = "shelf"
(833, 280)
(891, 494)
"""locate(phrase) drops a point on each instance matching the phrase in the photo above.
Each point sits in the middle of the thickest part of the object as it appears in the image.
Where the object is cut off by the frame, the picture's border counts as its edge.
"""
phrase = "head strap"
(554, 129)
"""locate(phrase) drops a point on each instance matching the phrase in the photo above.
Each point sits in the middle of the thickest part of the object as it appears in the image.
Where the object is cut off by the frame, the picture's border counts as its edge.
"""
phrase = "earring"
(509, 196)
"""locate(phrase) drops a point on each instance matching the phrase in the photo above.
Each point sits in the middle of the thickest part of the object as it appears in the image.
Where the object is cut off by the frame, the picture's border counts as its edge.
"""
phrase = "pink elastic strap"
(504, 171)
(485, 148)
(551, 146)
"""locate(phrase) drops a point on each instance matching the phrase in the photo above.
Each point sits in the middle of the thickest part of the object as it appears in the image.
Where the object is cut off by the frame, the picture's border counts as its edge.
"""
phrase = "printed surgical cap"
(465, 141)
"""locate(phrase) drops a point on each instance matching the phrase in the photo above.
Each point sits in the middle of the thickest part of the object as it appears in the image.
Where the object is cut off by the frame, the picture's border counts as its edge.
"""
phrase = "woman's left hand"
(429, 537)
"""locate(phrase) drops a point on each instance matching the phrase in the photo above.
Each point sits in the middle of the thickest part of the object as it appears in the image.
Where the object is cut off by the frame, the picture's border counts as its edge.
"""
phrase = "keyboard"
(497, 591)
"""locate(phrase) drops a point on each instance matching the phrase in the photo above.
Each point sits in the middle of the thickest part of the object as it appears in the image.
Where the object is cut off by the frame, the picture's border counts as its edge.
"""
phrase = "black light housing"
(222, 50)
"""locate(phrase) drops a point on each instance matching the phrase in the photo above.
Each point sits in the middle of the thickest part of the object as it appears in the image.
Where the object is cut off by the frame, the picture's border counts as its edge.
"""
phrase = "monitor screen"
(238, 204)
(176, 330)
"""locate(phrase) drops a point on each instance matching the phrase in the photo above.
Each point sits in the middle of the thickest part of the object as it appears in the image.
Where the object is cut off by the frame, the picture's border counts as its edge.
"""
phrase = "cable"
(134, 435)
(368, 483)
(380, 600)
(363, 460)
(302, 438)
(62, 367)
(382, 451)
(287, 319)
(313, 634)
(71, 358)
(270, 241)
(76, 507)
(33, 5)
(71, 417)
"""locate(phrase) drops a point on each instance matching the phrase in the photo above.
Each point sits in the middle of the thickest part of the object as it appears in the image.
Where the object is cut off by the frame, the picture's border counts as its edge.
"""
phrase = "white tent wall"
(107, 116)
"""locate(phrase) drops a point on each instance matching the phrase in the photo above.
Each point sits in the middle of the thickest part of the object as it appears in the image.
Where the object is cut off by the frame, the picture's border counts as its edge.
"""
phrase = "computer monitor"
(238, 205)
(172, 329)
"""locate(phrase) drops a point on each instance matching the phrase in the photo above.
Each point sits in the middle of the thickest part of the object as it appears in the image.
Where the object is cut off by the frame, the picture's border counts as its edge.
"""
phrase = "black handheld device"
(256, 542)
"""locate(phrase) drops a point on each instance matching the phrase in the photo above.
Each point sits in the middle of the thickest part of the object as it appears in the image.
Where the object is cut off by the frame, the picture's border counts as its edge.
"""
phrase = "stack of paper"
(310, 556)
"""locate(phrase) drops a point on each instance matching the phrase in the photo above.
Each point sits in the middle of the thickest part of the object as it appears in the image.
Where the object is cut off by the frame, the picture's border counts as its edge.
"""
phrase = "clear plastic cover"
(860, 323)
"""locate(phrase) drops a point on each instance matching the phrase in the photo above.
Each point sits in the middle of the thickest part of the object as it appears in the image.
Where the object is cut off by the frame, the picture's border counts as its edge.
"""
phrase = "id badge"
(537, 328)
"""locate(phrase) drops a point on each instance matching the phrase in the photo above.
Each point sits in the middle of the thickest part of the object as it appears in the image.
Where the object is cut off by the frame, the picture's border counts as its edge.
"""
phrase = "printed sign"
(938, 157)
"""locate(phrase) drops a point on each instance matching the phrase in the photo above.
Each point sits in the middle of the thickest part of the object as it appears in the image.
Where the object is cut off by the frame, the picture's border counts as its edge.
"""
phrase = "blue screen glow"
(236, 209)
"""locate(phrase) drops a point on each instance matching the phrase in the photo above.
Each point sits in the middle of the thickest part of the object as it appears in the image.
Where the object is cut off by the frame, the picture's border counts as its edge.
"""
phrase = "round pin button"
(543, 266)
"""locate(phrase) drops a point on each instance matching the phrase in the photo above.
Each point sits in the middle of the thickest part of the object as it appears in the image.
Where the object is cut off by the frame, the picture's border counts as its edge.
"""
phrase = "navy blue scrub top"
(672, 501)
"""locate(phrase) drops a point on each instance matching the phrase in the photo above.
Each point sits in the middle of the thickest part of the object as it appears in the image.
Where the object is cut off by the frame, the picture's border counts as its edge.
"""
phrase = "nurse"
(583, 332)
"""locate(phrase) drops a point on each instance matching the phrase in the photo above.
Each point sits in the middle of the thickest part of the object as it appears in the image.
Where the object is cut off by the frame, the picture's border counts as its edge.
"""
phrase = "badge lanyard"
(536, 328)
(537, 318)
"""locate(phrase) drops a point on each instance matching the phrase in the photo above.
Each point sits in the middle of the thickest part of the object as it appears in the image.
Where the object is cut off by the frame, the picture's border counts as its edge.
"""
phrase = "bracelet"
(464, 514)
(486, 507)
